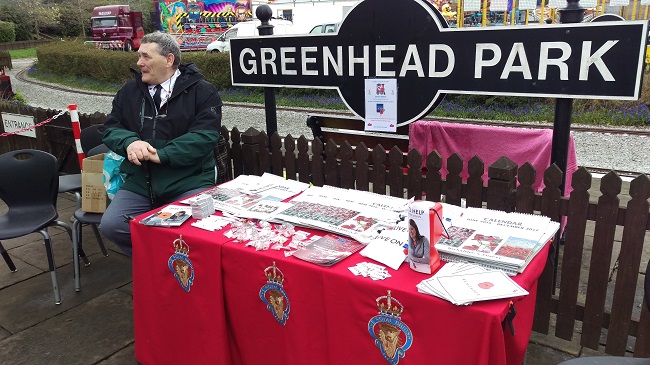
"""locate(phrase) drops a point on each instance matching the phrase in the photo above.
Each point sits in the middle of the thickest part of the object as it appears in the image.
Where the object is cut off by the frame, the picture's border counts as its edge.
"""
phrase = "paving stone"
(32, 301)
(84, 335)
(126, 356)
(128, 288)
(543, 355)
(4, 333)
(24, 271)
(572, 348)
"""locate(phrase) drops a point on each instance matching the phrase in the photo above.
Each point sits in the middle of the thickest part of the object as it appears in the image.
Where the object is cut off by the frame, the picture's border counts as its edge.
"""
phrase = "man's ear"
(170, 60)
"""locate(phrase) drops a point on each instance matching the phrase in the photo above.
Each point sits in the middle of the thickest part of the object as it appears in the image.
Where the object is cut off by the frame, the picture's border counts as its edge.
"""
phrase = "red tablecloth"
(223, 320)
(173, 326)
(490, 143)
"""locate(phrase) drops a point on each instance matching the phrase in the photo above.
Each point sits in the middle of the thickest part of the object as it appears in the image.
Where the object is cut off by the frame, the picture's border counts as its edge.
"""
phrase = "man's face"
(154, 66)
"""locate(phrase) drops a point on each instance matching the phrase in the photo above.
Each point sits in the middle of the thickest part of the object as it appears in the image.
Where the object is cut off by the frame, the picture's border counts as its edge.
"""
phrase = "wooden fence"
(54, 137)
(9, 46)
(598, 286)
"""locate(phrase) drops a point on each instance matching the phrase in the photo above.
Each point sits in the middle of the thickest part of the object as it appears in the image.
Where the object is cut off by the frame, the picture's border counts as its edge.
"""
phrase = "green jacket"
(184, 134)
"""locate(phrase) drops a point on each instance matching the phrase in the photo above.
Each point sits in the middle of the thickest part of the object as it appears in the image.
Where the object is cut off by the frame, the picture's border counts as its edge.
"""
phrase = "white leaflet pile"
(463, 284)
(370, 270)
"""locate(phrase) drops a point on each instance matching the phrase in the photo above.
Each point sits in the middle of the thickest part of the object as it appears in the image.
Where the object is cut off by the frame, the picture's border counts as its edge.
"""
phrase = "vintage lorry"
(116, 27)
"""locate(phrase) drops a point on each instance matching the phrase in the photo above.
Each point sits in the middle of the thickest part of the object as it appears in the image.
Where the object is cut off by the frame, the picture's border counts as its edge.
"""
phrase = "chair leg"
(76, 227)
(80, 249)
(5, 255)
(99, 239)
(70, 233)
(50, 262)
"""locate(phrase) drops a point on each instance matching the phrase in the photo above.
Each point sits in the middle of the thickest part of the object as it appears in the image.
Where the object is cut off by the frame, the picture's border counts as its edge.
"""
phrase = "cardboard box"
(93, 192)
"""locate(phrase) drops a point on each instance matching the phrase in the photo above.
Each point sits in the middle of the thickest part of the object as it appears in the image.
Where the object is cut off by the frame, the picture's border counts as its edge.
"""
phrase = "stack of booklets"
(463, 284)
(496, 239)
(355, 214)
(251, 196)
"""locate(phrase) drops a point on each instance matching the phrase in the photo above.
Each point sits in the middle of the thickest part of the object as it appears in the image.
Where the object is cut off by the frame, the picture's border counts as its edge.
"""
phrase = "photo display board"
(602, 60)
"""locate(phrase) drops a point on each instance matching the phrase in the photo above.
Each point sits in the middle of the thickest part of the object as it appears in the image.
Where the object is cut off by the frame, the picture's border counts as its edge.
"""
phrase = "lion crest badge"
(180, 265)
(274, 296)
(391, 335)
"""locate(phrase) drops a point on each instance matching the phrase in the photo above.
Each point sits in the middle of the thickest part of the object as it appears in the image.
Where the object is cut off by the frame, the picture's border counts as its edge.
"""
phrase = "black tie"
(156, 96)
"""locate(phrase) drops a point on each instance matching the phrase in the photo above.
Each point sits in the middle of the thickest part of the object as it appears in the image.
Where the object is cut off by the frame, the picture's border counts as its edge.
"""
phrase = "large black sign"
(408, 40)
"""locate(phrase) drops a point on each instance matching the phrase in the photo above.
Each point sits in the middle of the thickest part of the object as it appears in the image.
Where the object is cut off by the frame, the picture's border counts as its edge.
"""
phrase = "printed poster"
(381, 105)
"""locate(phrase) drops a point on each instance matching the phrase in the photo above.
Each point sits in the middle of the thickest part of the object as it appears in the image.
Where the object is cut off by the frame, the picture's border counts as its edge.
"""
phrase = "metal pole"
(264, 13)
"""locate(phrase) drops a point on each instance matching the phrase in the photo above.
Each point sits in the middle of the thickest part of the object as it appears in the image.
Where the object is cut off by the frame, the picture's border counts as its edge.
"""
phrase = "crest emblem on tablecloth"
(391, 335)
(180, 265)
(274, 296)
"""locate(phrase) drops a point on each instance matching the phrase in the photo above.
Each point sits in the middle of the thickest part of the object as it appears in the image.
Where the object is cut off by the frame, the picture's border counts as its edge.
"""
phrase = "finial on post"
(573, 13)
(264, 14)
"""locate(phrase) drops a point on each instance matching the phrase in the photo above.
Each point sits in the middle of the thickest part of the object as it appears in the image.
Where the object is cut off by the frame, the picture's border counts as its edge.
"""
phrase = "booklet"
(169, 216)
(328, 250)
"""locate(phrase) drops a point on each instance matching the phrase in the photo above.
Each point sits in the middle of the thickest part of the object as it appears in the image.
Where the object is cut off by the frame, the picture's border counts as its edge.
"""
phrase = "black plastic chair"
(82, 218)
(29, 185)
(617, 360)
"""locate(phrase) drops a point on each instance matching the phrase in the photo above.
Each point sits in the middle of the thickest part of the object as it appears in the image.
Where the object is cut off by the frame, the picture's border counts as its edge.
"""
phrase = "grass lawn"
(22, 53)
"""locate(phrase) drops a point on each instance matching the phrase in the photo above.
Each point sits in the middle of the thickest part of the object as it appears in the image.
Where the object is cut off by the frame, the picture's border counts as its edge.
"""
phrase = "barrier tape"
(76, 131)
(34, 126)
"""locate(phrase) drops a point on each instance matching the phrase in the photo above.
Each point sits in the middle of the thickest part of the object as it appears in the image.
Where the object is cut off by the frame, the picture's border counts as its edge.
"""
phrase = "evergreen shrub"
(7, 32)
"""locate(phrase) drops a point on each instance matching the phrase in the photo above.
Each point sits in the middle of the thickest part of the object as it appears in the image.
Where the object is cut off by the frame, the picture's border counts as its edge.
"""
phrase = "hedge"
(73, 58)
(7, 32)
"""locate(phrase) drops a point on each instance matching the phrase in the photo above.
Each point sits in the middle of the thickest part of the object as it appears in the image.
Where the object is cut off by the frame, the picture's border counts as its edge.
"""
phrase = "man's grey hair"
(167, 44)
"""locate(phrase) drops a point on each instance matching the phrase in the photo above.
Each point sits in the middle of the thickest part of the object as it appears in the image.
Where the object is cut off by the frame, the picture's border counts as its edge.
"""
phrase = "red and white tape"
(76, 131)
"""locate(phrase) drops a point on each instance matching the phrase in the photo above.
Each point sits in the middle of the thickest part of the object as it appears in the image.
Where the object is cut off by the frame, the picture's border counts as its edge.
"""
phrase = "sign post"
(264, 14)
(573, 13)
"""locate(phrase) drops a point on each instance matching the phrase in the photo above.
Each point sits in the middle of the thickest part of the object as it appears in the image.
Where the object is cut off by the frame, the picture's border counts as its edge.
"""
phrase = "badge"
(391, 335)
(274, 296)
(180, 264)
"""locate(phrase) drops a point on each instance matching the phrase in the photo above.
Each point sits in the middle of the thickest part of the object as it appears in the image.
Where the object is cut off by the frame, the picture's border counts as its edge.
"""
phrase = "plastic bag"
(112, 176)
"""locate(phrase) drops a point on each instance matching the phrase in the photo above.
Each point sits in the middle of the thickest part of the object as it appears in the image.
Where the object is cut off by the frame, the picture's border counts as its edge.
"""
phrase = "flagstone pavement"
(95, 325)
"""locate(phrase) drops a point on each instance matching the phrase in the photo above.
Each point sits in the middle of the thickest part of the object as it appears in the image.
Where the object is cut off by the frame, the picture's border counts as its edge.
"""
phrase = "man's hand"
(139, 151)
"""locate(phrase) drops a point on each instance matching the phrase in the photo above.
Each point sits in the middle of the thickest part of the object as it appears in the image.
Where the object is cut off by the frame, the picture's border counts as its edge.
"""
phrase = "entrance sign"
(601, 60)
(16, 122)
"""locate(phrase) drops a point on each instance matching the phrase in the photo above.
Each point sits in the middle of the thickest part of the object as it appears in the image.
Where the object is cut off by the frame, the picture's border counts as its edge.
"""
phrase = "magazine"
(169, 216)
(328, 250)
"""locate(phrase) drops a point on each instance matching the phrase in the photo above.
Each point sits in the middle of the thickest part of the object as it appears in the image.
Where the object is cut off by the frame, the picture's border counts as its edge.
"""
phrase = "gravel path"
(601, 150)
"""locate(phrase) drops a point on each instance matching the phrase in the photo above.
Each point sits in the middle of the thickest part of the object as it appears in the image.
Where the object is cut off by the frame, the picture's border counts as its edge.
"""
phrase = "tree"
(35, 14)
(23, 28)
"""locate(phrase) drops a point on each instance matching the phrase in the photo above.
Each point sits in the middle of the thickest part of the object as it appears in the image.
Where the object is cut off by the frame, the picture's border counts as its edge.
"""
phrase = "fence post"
(251, 144)
(501, 184)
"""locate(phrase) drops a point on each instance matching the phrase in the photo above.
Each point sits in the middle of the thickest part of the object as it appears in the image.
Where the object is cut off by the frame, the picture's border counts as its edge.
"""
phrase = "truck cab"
(116, 27)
